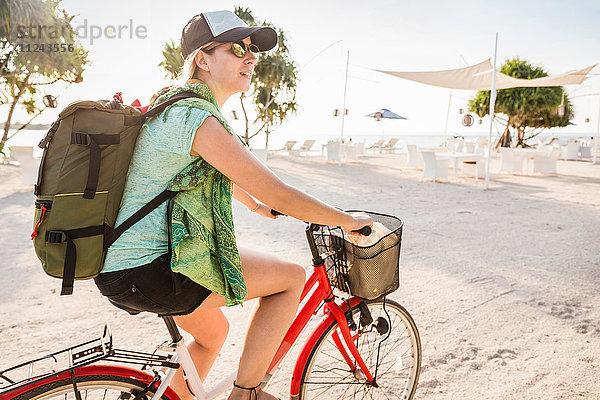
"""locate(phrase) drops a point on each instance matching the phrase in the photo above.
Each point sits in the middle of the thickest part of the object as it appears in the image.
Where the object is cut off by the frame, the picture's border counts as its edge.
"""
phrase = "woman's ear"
(201, 61)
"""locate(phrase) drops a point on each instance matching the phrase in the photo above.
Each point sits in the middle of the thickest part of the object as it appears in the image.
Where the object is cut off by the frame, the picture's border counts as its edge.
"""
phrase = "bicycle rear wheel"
(91, 387)
(390, 347)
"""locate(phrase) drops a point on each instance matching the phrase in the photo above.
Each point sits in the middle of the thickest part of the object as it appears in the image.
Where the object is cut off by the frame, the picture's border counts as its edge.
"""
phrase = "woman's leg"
(278, 284)
(209, 328)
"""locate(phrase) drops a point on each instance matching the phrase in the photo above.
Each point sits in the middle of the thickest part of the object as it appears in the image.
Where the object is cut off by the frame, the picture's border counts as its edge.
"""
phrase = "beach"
(503, 284)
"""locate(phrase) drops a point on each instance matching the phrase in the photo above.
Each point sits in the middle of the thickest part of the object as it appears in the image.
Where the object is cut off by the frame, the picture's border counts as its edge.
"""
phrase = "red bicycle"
(366, 346)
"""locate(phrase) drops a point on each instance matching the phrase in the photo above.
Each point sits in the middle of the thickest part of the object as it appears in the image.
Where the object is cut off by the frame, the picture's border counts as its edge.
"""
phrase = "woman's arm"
(251, 203)
(226, 153)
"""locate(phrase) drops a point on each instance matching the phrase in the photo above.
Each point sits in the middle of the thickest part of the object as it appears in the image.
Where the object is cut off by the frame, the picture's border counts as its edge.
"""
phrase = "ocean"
(426, 139)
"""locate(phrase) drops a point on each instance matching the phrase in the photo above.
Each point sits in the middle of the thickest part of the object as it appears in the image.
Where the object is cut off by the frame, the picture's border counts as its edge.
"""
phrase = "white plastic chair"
(29, 165)
(469, 147)
(585, 152)
(571, 151)
(474, 168)
(434, 168)
(546, 164)
(414, 158)
(455, 145)
(510, 161)
(334, 151)
(481, 142)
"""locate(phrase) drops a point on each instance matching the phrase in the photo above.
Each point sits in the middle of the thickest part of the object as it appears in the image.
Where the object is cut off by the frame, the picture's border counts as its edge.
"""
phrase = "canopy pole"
(492, 105)
(344, 109)
(447, 115)
(597, 138)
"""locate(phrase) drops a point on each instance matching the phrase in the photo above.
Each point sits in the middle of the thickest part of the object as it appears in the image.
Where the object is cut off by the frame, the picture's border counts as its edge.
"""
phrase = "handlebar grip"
(365, 230)
(276, 213)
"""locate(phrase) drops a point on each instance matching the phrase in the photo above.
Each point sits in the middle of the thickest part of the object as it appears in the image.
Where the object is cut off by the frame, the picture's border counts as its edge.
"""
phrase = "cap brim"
(264, 37)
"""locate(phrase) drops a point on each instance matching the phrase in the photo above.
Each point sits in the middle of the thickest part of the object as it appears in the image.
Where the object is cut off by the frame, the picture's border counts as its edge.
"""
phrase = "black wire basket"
(369, 272)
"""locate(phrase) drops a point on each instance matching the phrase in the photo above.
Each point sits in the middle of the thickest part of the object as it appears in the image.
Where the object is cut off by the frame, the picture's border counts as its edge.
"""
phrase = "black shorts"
(153, 288)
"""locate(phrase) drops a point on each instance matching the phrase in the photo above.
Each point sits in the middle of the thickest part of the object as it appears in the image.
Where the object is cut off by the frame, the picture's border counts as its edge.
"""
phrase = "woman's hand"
(360, 220)
(265, 211)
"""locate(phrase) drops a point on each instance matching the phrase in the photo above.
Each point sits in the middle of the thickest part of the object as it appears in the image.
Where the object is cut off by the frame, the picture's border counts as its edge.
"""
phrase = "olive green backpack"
(80, 184)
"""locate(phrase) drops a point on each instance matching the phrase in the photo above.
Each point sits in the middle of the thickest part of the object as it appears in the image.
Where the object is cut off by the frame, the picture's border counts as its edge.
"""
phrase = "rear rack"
(77, 356)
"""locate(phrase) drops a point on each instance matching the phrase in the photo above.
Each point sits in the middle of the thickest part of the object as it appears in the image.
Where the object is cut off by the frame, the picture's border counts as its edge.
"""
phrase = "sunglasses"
(240, 48)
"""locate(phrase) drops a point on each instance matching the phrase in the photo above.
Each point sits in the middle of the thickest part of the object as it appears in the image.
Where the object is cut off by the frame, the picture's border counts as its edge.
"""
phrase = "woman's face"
(229, 73)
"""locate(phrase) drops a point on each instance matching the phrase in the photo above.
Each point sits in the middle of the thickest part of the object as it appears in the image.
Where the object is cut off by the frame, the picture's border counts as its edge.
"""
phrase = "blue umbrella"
(384, 113)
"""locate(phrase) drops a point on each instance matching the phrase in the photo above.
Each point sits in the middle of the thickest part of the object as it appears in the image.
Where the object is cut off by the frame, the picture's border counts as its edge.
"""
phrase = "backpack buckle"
(80, 139)
(56, 237)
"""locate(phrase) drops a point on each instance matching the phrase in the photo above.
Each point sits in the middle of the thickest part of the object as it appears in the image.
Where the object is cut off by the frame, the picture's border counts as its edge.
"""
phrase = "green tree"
(38, 47)
(526, 111)
(273, 90)
(173, 60)
(274, 82)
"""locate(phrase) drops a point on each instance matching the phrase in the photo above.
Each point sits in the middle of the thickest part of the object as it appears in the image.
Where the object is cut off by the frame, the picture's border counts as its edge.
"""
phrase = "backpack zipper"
(44, 203)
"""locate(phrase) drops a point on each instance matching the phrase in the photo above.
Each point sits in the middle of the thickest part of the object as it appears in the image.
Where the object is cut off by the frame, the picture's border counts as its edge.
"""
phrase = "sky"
(390, 35)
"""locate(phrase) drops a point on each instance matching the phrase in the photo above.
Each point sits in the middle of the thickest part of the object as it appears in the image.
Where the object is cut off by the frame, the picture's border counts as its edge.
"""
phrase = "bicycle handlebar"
(365, 230)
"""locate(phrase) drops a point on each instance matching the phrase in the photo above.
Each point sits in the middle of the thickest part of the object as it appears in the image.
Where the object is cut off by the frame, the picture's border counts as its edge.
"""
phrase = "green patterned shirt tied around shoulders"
(202, 233)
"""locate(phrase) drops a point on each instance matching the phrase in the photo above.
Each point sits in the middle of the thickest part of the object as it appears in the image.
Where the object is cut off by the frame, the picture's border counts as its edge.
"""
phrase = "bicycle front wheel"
(390, 347)
(91, 387)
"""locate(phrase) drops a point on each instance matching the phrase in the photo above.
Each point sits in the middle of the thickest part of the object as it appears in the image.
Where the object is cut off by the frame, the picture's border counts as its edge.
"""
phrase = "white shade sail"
(479, 77)
(485, 76)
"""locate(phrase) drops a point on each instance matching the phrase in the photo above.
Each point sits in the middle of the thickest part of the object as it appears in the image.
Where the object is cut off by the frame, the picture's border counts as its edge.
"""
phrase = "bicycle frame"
(318, 284)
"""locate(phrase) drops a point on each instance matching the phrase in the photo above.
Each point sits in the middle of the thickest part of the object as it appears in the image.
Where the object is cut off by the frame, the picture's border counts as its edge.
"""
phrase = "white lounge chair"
(434, 168)
(510, 161)
(288, 146)
(377, 145)
(546, 164)
(414, 158)
(390, 146)
(571, 151)
(305, 147)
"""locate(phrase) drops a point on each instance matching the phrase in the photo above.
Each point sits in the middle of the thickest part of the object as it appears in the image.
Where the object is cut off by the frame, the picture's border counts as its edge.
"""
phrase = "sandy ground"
(503, 284)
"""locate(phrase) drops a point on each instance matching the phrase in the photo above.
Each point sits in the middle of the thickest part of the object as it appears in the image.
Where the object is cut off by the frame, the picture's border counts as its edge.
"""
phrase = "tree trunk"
(246, 133)
(267, 140)
(505, 139)
(7, 123)
(520, 137)
(10, 113)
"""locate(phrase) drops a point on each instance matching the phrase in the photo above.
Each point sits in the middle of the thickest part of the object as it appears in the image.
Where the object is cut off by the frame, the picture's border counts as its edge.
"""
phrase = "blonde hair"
(188, 71)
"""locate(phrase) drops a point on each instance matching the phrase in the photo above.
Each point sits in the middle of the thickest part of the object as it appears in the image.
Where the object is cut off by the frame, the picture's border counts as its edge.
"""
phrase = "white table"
(456, 157)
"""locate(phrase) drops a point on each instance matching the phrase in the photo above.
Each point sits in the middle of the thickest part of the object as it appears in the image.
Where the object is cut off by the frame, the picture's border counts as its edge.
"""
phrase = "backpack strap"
(93, 141)
(57, 237)
(113, 234)
(157, 109)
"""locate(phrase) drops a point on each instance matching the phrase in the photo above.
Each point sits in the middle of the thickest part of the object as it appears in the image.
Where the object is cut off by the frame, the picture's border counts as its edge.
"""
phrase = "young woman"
(192, 279)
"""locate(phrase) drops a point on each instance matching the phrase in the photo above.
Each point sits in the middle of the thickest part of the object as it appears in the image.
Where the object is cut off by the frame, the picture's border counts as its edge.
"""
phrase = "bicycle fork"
(349, 341)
